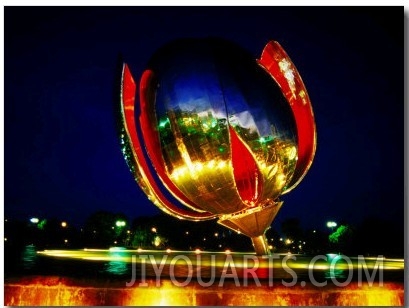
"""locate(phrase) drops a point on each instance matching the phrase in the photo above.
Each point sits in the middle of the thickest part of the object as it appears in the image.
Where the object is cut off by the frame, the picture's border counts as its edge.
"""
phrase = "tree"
(103, 230)
(341, 238)
(141, 238)
(292, 230)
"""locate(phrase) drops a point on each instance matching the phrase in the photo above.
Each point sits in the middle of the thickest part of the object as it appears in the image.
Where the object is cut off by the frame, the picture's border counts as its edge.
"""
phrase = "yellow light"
(157, 241)
(227, 251)
(197, 251)
(291, 152)
(211, 163)
(221, 164)
(168, 250)
(198, 166)
(303, 96)
(63, 224)
(281, 179)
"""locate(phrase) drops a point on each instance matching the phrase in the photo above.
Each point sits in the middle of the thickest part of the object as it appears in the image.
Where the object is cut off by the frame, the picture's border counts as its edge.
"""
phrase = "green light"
(341, 231)
(42, 224)
(265, 139)
(163, 123)
(120, 223)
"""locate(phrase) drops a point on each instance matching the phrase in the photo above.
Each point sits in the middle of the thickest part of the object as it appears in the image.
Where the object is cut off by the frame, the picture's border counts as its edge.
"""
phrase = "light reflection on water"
(122, 262)
(29, 256)
(116, 266)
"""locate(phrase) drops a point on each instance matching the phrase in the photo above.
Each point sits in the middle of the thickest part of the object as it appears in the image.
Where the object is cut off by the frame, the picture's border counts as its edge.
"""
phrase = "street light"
(120, 223)
(34, 220)
(331, 224)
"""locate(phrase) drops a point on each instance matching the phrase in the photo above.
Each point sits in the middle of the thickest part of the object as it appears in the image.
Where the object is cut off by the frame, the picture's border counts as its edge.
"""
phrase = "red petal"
(127, 108)
(152, 141)
(295, 92)
(246, 173)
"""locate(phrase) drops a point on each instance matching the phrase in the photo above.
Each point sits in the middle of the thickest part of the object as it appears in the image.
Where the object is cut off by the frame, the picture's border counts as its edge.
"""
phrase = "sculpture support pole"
(260, 245)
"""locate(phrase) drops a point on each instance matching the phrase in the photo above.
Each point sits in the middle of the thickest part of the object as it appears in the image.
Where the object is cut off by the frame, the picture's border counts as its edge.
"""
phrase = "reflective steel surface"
(227, 133)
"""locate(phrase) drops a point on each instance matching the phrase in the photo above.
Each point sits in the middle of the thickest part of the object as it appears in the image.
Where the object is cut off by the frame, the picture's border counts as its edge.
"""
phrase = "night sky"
(62, 156)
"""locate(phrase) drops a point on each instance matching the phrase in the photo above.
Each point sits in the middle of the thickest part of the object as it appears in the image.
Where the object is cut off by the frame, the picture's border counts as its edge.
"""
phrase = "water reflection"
(206, 265)
(29, 257)
(117, 266)
(334, 271)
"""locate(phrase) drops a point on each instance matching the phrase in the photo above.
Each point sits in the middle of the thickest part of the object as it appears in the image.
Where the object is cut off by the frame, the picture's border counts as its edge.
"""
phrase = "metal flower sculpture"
(224, 133)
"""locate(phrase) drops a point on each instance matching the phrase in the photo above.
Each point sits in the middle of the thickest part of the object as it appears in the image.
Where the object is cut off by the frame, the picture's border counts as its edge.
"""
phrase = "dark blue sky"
(62, 155)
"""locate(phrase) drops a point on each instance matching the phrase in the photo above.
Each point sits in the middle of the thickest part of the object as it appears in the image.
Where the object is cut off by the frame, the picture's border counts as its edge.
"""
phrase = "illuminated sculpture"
(224, 133)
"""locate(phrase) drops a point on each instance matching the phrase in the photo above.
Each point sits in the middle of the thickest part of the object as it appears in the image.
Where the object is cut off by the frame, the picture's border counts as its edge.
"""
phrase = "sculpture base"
(253, 222)
(58, 291)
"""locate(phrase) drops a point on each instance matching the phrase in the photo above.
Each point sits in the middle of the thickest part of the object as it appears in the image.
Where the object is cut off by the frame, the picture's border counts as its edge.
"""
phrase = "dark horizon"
(62, 153)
